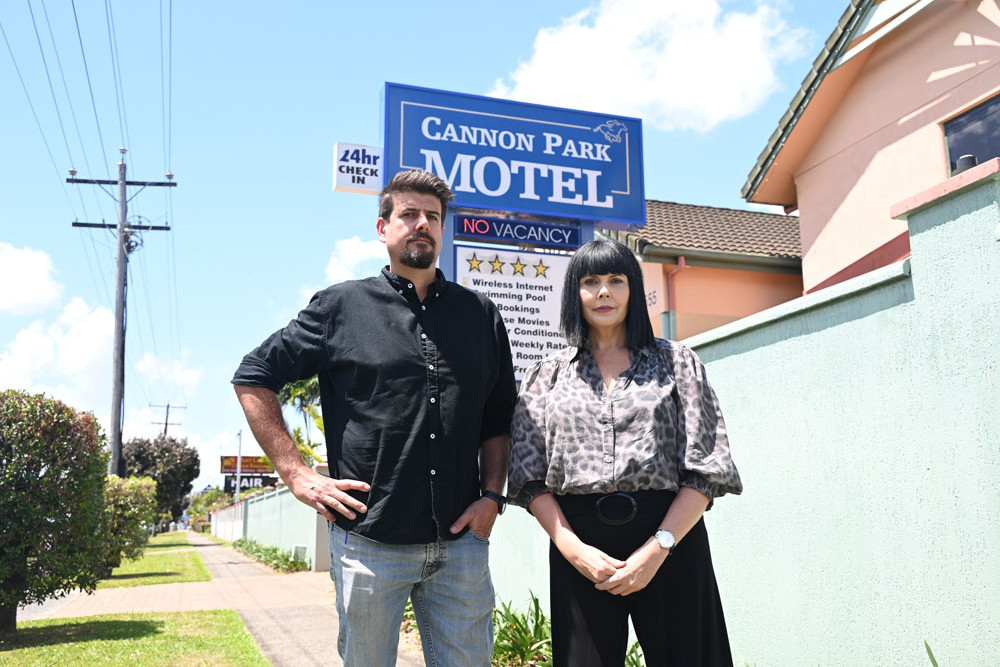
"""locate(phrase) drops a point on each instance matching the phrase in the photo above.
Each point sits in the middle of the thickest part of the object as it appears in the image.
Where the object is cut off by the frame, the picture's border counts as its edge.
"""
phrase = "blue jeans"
(448, 581)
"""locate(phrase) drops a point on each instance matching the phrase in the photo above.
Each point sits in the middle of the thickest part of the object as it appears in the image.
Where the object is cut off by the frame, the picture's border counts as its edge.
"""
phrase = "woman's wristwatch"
(497, 498)
(666, 540)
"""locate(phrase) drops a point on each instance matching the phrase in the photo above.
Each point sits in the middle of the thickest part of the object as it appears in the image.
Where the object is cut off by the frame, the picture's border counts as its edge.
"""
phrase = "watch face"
(665, 538)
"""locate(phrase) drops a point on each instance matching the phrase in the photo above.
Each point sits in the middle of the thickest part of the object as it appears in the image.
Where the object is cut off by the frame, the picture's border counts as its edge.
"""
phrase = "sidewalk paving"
(293, 617)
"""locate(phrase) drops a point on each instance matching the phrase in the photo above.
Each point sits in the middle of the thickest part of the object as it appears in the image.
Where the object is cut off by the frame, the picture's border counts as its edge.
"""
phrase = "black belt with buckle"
(616, 509)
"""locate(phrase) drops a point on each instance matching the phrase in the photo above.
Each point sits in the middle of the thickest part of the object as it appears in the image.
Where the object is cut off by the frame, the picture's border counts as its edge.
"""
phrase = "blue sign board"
(515, 232)
(509, 156)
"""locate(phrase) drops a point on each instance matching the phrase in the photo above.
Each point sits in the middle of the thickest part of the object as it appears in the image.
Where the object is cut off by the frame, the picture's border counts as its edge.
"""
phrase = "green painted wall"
(865, 421)
(866, 426)
(278, 518)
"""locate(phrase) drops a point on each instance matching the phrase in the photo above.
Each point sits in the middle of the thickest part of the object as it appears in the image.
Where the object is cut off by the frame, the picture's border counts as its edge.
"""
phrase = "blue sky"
(243, 102)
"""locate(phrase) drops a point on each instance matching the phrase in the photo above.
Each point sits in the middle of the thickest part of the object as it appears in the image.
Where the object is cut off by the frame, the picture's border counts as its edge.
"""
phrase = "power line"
(72, 110)
(116, 74)
(52, 90)
(33, 113)
(170, 83)
(90, 87)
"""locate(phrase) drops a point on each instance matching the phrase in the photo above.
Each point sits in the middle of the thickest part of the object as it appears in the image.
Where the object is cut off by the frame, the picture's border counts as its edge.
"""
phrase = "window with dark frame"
(976, 132)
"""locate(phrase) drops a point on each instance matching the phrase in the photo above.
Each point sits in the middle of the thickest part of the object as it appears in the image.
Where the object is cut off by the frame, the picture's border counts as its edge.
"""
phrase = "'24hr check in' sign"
(502, 155)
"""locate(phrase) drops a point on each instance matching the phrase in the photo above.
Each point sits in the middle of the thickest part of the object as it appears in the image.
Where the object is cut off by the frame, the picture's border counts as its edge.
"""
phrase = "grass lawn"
(184, 638)
(175, 540)
(161, 564)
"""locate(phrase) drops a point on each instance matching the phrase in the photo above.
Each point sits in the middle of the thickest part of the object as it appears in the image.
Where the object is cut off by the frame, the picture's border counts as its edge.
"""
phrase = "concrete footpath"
(293, 617)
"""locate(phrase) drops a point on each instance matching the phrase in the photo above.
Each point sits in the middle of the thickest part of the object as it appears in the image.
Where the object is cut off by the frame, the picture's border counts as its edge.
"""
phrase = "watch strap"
(497, 498)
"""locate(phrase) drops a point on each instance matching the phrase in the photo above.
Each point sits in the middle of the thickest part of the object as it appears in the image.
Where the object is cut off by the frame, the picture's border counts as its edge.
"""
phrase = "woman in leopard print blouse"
(618, 447)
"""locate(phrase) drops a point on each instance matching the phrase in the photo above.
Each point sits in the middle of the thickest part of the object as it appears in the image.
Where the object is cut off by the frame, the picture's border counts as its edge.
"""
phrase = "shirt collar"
(405, 285)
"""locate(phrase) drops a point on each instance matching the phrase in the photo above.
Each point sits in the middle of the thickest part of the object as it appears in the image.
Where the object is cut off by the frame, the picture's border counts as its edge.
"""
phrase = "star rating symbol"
(518, 267)
(474, 263)
(496, 264)
(540, 269)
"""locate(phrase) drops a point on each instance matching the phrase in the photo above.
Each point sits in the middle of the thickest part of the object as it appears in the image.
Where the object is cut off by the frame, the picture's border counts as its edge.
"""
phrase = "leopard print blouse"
(659, 427)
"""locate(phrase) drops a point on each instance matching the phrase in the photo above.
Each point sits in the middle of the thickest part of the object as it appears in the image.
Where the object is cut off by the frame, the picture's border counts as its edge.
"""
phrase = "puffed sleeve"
(703, 456)
(528, 456)
(294, 353)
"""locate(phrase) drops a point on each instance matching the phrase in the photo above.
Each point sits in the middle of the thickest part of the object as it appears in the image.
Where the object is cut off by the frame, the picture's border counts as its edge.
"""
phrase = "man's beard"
(418, 256)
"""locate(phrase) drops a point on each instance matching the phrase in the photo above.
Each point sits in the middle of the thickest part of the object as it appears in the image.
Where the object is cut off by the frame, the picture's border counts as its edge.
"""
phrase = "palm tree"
(303, 395)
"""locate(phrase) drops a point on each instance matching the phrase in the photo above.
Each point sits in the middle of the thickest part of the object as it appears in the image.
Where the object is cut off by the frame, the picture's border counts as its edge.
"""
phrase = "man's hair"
(597, 258)
(414, 180)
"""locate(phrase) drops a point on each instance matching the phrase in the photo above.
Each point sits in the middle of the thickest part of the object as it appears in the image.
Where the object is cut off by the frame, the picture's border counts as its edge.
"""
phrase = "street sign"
(248, 482)
(251, 465)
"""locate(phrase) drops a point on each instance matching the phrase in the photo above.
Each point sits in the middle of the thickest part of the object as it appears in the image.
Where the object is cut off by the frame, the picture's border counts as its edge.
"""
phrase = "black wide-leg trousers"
(678, 617)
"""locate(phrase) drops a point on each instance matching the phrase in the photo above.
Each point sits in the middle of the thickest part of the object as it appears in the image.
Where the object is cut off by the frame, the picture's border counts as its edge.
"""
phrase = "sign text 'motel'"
(516, 231)
(502, 155)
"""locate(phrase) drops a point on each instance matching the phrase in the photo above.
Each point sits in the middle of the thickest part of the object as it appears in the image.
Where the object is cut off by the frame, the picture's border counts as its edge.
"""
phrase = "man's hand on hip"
(479, 517)
(325, 494)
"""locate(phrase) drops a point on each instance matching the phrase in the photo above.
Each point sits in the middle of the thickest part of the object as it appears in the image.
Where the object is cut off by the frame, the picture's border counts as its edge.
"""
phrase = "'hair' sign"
(502, 155)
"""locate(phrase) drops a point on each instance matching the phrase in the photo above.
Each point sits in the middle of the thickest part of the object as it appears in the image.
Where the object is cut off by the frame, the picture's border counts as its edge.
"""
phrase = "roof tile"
(723, 230)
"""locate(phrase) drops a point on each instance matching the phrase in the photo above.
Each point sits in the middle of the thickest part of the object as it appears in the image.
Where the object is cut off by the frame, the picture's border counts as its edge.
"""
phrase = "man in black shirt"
(417, 390)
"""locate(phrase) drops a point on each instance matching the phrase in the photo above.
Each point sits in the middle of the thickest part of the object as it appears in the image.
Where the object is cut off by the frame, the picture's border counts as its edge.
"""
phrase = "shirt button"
(410, 285)
(607, 427)
(430, 366)
(433, 400)
(608, 459)
(424, 336)
(423, 307)
(400, 291)
(433, 436)
(433, 472)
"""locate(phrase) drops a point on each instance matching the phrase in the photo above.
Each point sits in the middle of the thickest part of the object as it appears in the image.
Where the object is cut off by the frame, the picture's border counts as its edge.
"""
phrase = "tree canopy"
(170, 462)
(52, 517)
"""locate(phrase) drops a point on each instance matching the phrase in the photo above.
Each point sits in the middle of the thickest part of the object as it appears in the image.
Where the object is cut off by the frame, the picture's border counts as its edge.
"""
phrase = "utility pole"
(166, 420)
(239, 461)
(125, 246)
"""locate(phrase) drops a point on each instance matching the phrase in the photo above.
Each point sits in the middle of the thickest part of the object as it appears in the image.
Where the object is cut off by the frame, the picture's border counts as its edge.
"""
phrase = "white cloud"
(351, 259)
(676, 65)
(146, 422)
(69, 359)
(171, 375)
(26, 275)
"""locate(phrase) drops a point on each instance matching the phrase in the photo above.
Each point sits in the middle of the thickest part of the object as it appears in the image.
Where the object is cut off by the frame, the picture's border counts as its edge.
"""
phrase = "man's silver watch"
(666, 540)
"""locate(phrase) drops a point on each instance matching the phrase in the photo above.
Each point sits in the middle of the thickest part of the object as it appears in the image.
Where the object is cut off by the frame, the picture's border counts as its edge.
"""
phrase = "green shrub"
(273, 557)
(522, 638)
(131, 508)
(53, 531)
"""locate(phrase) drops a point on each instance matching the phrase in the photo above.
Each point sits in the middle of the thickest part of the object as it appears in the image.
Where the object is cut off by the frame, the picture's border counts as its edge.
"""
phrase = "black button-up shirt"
(409, 390)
